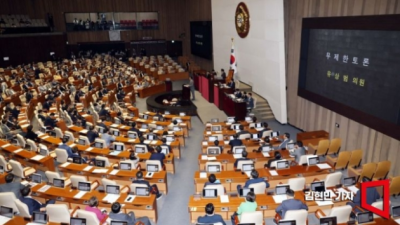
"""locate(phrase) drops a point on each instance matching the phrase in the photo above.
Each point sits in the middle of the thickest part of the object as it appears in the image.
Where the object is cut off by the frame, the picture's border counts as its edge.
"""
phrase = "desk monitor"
(266, 148)
(287, 222)
(396, 211)
(349, 181)
(179, 120)
(145, 116)
(182, 114)
(6, 211)
(139, 149)
(100, 163)
(112, 189)
(118, 147)
(365, 217)
(39, 217)
(167, 112)
(213, 168)
(170, 138)
(36, 178)
(259, 125)
(290, 146)
(332, 220)
(77, 221)
(144, 126)
(142, 191)
(247, 167)
(230, 137)
(98, 145)
(176, 128)
(125, 166)
(44, 152)
(213, 151)
(275, 134)
(132, 135)
(58, 183)
(212, 138)
(84, 186)
(100, 129)
(230, 119)
(116, 133)
(248, 119)
(238, 150)
(236, 127)
(165, 150)
(215, 128)
(150, 137)
(152, 168)
(282, 164)
(244, 191)
(210, 193)
(159, 127)
(318, 186)
(281, 189)
(254, 136)
(214, 120)
(114, 222)
(314, 160)
(82, 141)
(77, 160)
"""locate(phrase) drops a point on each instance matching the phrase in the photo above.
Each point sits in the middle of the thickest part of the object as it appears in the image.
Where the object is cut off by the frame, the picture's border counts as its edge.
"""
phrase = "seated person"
(212, 179)
(290, 204)
(238, 93)
(266, 128)
(235, 142)
(244, 157)
(50, 121)
(92, 134)
(250, 205)
(298, 151)
(172, 125)
(77, 153)
(66, 147)
(210, 217)
(254, 180)
(372, 195)
(153, 188)
(277, 156)
(107, 137)
(121, 119)
(103, 112)
(242, 131)
(216, 144)
(164, 143)
(133, 128)
(93, 207)
(33, 204)
(158, 156)
(133, 158)
(14, 187)
(250, 101)
(130, 218)
(266, 142)
(284, 142)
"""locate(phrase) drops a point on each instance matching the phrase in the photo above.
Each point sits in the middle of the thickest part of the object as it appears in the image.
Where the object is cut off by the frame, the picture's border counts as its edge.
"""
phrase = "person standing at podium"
(191, 85)
(223, 75)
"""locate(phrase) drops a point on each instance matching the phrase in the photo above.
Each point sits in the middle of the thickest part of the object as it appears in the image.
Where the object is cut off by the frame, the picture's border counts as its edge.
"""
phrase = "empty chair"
(378, 205)
(58, 132)
(333, 179)
(105, 159)
(8, 199)
(100, 143)
(22, 208)
(297, 184)
(19, 171)
(244, 162)
(321, 149)
(334, 146)
(220, 188)
(342, 213)
(266, 133)
(83, 140)
(61, 154)
(156, 163)
(75, 179)
(256, 218)
(58, 213)
(90, 217)
(339, 162)
(394, 188)
(32, 145)
(382, 170)
(299, 215)
(355, 159)
(367, 170)
(70, 136)
(51, 175)
(259, 188)
(6, 166)
(21, 141)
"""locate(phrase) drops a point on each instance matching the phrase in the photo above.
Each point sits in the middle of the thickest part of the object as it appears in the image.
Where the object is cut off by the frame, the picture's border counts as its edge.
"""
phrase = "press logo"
(385, 185)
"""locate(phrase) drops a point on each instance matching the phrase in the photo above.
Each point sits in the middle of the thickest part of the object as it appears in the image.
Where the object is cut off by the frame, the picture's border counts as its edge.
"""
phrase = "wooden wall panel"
(303, 113)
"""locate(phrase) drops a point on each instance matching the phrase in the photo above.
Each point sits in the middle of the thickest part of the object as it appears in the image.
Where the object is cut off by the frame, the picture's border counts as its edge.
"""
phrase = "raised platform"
(155, 103)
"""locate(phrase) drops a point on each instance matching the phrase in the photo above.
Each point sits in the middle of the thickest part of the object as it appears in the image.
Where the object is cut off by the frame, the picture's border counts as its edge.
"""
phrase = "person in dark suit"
(216, 144)
(41, 116)
(254, 180)
(133, 128)
(153, 188)
(15, 111)
(235, 142)
(231, 84)
(290, 204)
(191, 85)
(103, 112)
(66, 147)
(50, 122)
(164, 143)
(28, 96)
(33, 204)
(158, 156)
(130, 218)
(212, 180)
(250, 101)
(242, 131)
(11, 186)
(372, 195)
(237, 93)
(210, 217)
(244, 157)
(47, 105)
(223, 75)
(92, 134)
(284, 142)
(298, 151)
(31, 135)
(266, 128)
(277, 156)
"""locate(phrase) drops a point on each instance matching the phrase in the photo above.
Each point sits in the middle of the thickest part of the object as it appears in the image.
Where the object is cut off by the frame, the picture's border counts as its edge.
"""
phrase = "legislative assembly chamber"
(199, 112)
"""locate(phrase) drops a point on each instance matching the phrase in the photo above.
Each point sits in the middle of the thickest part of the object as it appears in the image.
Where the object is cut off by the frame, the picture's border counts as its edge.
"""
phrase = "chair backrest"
(22, 208)
(90, 217)
(51, 175)
(58, 213)
(106, 182)
(252, 217)
(378, 205)
(342, 160)
(304, 159)
(102, 143)
(32, 144)
(133, 163)
(259, 188)
(132, 133)
(394, 188)
(368, 170)
(243, 162)
(356, 157)
(382, 170)
(274, 163)
(244, 136)
(75, 179)
(213, 164)
(154, 162)
(220, 188)
(334, 146)
(86, 139)
(297, 184)
(299, 215)
(141, 146)
(266, 133)
(17, 169)
(133, 187)
(61, 154)
(342, 213)
(3, 163)
(333, 179)
(8, 199)
(323, 146)
(105, 159)
(70, 135)
(21, 141)
(58, 132)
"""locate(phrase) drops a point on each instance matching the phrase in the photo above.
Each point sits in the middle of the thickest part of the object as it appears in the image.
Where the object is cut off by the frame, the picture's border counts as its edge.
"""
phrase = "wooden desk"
(121, 177)
(312, 137)
(250, 145)
(173, 76)
(146, 92)
(186, 119)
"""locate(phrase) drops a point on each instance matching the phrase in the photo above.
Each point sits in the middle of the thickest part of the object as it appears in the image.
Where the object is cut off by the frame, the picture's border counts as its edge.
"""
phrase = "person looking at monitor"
(290, 204)
(33, 204)
(130, 217)
(372, 195)
(152, 188)
(235, 142)
(253, 180)
(93, 207)
(210, 217)
(277, 156)
(212, 180)
(250, 205)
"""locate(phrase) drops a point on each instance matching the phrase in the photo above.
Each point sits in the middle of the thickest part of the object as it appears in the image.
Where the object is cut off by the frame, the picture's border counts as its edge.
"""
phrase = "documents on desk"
(44, 188)
(114, 172)
(154, 142)
(266, 154)
(111, 198)
(237, 156)
(211, 158)
(397, 221)
(353, 189)
(131, 140)
(72, 145)
(143, 130)
(80, 194)
(65, 164)
(170, 132)
(100, 170)
(208, 132)
(6, 145)
(4, 219)
(324, 166)
(89, 149)
(168, 143)
(87, 168)
(18, 150)
(84, 131)
(203, 175)
(114, 153)
(204, 157)
(114, 125)
(322, 203)
(279, 198)
(147, 142)
(273, 173)
(37, 157)
(226, 142)
(205, 143)
(149, 175)
(224, 198)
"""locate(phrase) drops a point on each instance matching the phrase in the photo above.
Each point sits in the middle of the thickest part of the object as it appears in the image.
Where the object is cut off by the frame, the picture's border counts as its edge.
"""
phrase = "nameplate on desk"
(65, 164)
(89, 149)
(18, 150)
(87, 168)
(114, 172)
(44, 188)
(149, 207)
(273, 173)
(228, 180)
(225, 209)
(6, 145)
(131, 140)
(114, 125)
(263, 207)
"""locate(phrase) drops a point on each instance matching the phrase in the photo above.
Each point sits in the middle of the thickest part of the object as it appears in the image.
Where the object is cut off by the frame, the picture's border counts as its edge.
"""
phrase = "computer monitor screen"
(142, 191)
(139, 149)
(116, 132)
(6, 211)
(318, 186)
(167, 112)
(396, 211)
(236, 127)
(282, 164)
(113, 222)
(215, 128)
(210, 193)
(77, 221)
(125, 166)
(266, 148)
(152, 168)
(150, 137)
(40, 217)
(176, 128)
(245, 191)
(290, 146)
(112, 189)
(44, 152)
(144, 126)
(275, 134)
(213, 151)
(159, 127)
(313, 160)
(247, 167)
(145, 117)
(182, 114)
(238, 150)
(365, 217)
(212, 138)
(230, 119)
(77, 160)
(118, 147)
(248, 119)
(170, 138)
(165, 150)
(259, 125)
(213, 168)
(82, 142)
(36, 178)
(100, 130)
(100, 163)
(349, 181)
(84, 186)
(328, 220)
(254, 136)
(214, 120)
(58, 183)
(281, 189)
(287, 222)
(98, 145)
(132, 135)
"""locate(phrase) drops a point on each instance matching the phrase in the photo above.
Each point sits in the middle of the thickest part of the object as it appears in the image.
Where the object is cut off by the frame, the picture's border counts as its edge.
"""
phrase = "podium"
(185, 92)
(233, 108)
(219, 93)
